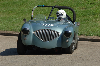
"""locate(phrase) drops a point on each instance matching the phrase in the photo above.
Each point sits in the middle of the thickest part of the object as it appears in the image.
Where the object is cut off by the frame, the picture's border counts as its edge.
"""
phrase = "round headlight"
(25, 31)
(67, 34)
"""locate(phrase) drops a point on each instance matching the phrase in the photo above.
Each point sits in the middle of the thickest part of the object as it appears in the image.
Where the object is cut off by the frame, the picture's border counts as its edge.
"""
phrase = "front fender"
(66, 44)
(27, 39)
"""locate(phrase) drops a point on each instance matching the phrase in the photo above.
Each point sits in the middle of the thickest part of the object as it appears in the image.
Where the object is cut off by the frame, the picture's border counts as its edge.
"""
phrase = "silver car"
(42, 33)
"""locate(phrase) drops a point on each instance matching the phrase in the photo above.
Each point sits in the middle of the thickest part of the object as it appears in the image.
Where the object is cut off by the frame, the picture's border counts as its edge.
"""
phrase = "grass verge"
(12, 13)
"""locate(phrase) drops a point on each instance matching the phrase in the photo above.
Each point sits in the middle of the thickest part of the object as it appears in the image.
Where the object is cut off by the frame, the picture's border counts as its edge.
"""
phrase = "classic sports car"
(42, 33)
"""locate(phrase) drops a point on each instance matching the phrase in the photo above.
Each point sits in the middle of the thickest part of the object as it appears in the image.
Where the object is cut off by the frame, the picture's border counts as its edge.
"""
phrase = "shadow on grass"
(8, 34)
(11, 33)
(80, 39)
(92, 40)
(13, 51)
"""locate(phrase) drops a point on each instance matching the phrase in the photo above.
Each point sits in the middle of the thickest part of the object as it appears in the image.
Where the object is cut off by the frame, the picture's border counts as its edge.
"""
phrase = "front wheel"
(21, 48)
(70, 49)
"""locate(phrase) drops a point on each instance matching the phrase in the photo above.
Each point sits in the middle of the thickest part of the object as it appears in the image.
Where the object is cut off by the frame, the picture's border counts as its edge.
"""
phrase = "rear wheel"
(71, 48)
(76, 45)
(21, 48)
(76, 41)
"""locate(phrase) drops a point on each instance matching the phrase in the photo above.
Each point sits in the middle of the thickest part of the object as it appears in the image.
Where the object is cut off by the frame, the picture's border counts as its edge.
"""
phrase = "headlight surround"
(25, 31)
(67, 34)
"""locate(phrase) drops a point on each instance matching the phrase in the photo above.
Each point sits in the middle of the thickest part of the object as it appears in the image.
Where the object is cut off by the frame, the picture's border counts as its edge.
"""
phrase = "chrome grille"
(46, 34)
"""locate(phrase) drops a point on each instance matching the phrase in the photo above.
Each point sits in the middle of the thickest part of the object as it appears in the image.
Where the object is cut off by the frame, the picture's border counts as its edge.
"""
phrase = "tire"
(21, 48)
(70, 49)
(76, 41)
(76, 45)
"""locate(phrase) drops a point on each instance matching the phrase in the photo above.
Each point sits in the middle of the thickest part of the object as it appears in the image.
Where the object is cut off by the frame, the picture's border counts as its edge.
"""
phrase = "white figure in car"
(61, 15)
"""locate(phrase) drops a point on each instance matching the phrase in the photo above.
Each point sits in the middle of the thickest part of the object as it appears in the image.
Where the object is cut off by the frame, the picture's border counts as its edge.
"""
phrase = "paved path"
(87, 54)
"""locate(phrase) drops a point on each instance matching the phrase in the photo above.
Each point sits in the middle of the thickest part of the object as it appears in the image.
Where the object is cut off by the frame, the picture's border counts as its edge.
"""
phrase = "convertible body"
(48, 34)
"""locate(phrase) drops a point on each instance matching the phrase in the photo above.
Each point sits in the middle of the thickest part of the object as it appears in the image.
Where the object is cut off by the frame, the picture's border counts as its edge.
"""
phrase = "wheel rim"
(73, 47)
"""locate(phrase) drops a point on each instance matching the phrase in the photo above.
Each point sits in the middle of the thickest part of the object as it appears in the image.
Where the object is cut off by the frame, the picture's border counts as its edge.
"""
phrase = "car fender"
(66, 44)
(27, 39)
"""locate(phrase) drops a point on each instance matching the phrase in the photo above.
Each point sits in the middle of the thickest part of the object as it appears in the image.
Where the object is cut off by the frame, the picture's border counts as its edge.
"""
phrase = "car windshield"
(40, 17)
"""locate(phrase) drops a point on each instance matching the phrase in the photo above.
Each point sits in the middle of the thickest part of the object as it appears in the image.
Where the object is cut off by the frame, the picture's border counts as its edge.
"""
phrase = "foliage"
(12, 13)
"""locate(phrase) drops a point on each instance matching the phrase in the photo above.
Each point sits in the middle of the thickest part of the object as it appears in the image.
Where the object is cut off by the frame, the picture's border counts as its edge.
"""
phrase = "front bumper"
(57, 42)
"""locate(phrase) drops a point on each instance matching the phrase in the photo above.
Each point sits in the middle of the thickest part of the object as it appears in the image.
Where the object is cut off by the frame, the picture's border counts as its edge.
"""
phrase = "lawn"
(12, 13)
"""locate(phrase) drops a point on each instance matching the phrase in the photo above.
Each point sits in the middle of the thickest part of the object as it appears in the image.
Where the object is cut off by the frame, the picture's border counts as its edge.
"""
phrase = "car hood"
(53, 25)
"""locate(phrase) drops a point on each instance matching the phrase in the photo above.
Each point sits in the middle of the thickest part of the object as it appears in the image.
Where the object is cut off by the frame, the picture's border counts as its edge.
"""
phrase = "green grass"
(12, 13)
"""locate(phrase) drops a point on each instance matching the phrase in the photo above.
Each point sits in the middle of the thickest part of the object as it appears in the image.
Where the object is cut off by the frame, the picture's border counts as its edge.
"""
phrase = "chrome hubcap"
(73, 47)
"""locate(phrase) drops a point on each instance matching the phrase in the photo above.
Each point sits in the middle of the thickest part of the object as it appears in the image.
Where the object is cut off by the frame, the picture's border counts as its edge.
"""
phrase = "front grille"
(46, 34)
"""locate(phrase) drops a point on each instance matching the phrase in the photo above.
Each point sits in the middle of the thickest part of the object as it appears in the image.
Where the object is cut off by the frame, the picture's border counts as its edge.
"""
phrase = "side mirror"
(24, 20)
(78, 24)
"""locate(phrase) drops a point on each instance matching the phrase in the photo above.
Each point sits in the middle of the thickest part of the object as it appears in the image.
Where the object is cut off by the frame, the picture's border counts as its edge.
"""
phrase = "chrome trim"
(46, 34)
(50, 35)
(42, 38)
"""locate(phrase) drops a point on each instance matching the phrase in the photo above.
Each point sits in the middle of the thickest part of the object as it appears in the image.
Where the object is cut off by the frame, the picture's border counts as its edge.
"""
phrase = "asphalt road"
(87, 54)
